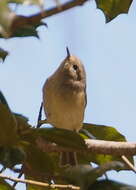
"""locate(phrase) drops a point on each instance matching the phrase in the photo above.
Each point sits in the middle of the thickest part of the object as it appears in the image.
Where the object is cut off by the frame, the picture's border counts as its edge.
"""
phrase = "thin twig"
(38, 183)
(130, 165)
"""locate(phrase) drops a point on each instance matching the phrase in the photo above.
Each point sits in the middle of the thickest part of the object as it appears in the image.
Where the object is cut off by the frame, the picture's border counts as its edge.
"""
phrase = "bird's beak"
(68, 52)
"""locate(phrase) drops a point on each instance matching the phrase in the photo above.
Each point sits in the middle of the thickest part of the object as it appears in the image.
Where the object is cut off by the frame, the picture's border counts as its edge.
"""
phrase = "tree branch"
(111, 147)
(94, 146)
(38, 183)
(35, 19)
(61, 8)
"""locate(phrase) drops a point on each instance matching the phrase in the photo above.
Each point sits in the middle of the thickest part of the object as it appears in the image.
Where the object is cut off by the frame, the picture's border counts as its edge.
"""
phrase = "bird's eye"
(75, 67)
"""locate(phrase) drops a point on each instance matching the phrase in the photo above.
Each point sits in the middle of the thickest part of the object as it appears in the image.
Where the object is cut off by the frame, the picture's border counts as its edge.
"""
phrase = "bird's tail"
(68, 158)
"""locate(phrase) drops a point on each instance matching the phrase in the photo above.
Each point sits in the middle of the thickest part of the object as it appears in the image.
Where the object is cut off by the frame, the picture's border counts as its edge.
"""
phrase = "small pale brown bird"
(64, 99)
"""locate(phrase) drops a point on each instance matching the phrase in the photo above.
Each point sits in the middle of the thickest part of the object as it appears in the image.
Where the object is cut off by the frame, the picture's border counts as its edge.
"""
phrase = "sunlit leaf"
(113, 8)
(102, 132)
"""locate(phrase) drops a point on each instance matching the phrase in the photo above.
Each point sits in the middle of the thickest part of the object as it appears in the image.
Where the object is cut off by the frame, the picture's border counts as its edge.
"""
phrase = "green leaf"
(27, 30)
(110, 184)
(102, 132)
(10, 156)
(8, 125)
(77, 175)
(3, 100)
(3, 54)
(99, 159)
(85, 175)
(34, 187)
(62, 137)
(5, 186)
(112, 8)
(23, 127)
(39, 163)
(21, 118)
(12, 25)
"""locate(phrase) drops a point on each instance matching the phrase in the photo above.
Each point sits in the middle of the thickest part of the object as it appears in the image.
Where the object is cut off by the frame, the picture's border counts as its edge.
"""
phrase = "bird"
(64, 99)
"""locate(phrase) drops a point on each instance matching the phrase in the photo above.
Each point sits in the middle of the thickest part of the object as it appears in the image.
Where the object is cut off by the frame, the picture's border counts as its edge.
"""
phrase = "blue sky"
(109, 57)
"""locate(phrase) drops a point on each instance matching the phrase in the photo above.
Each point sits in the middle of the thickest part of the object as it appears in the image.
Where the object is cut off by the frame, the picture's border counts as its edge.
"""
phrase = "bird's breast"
(65, 110)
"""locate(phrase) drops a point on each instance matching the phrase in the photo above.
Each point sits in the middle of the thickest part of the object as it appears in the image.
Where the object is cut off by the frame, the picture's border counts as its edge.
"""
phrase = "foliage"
(26, 144)
(14, 25)
(113, 8)
(112, 185)
(85, 175)
(5, 186)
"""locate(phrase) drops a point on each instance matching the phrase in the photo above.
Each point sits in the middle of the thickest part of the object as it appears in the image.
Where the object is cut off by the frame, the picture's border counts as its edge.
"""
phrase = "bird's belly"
(66, 115)
(70, 121)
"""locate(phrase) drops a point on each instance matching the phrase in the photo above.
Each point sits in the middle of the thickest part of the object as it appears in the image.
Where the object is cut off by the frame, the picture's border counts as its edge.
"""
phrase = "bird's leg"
(41, 122)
